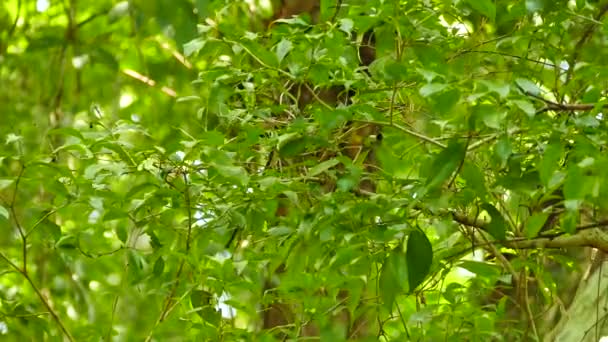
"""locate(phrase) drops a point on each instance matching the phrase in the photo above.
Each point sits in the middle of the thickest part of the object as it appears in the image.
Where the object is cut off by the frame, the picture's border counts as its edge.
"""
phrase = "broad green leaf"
(497, 226)
(233, 173)
(5, 183)
(485, 7)
(499, 87)
(445, 101)
(393, 278)
(419, 255)
(283, 48)
(280, 231)
(11, 138)
(261, 54)
(120, 10)
(194, 46)
(446, 163)
(569, 221)
(346, 25)
(576, 185)
(535, 223)
(474, 178)
(528, 86)
(535, 5)
(431, 88)
(293, 147)
(67, 131)
(201, 302)
(491, 116)
(580, 4)
(484, 269)
(550, 161)
(503, 149)
(322, 167)
(159, 267)
(526, 106)
(4, 212)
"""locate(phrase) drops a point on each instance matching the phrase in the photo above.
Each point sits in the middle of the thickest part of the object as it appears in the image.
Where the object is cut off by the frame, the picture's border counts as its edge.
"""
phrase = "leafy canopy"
(158, 179)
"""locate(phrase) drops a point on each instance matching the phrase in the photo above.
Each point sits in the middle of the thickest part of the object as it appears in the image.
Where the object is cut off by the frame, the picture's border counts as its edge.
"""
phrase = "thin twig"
(407, 332)
(564, 107)
(43, 299)
(584, 38)
(405, 130)
(169, 302)
(504, 54)
(527, 305)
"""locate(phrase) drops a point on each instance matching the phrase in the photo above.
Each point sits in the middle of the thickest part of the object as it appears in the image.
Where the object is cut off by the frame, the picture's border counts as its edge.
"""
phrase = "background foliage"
(176, 170)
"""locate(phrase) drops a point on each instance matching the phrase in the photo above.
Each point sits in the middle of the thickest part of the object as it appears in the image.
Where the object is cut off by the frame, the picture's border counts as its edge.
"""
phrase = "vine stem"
(42, 298)
(168, 303)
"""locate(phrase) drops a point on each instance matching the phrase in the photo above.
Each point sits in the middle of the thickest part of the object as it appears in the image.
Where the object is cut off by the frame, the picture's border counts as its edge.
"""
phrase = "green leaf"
(67, 131)
(526, 106)
(491, 116)
(535, 5)
(201, 302)
(549, 162)
(260, 53)
(293, 147)
(498, 226)
(233, 173)
(569, 221)
(159, 266)
(483, 269)
(485, 7)
(322, 167)
(580, 4)
(346, 25)
(503, 149)
(194, 46)
(528, 86)
(535, 223)
(5, 183)
(419, 255)
(283, 48)
(499, 87)
(446, 163)
(11, 138)
(280, 231)
(431, 88)
(576, 185)
(474, 178)
(191, 98)
(393, 278)
(4, 212)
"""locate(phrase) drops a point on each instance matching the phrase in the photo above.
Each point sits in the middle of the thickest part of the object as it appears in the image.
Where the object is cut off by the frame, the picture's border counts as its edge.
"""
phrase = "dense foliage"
(221, 170)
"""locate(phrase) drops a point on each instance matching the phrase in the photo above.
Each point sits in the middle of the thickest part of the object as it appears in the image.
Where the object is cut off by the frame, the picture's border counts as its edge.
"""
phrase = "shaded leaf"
(446, 163)
(497, 226)
(419, 255)
(485, 7)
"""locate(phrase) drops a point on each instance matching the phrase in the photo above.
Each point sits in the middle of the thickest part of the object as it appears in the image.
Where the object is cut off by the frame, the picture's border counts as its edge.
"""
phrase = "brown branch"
(560, 107)
(589, 235)
(504, 54)
(584, 38)
(595, 238)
